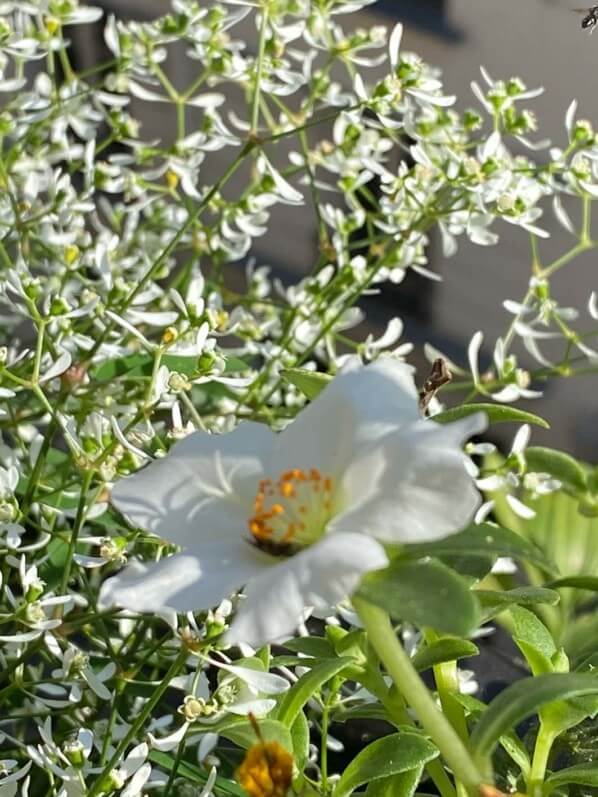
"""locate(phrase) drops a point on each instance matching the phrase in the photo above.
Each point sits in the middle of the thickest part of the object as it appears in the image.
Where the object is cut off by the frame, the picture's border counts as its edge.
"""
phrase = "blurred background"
(538, 40)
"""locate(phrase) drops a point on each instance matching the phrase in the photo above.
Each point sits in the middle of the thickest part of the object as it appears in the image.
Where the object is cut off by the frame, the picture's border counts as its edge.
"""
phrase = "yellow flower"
(266, 770)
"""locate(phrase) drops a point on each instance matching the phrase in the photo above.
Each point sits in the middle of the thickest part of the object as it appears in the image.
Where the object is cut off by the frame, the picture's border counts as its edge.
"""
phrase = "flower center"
(266, 770)
(291, 512)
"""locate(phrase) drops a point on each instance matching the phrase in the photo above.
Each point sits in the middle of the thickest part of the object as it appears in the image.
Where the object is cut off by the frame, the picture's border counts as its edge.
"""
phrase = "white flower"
(299, 516)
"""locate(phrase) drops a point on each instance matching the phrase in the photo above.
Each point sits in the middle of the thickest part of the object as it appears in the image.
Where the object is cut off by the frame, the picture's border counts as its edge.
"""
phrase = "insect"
(590, 17)
(439, 376)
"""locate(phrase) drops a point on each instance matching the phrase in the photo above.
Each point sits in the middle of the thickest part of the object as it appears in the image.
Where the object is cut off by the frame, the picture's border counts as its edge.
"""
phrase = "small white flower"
(298, 517)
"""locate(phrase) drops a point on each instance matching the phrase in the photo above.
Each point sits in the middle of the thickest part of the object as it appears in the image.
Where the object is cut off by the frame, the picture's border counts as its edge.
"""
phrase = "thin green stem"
(77, 525)
(98, 785)
(398, 665)
(255, 108)
(544, 742)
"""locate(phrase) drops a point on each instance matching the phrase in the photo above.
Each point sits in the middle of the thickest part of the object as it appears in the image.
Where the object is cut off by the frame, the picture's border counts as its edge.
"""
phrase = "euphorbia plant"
(227, 523)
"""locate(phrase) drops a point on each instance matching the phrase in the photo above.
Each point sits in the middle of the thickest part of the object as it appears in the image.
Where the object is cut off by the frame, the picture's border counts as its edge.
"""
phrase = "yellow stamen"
(291, 511)
(266, 770)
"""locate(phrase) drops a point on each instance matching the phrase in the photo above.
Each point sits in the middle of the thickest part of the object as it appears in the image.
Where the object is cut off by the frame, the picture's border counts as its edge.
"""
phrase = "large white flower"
(297, 517)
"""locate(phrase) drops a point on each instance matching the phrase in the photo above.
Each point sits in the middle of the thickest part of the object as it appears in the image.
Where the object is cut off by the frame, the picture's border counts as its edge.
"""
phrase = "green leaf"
(141, 364)
(403, 784)
(300, 740)
(482, 540)
(581, 774)
(578, 582)
(243, 734)
(529, 628)
(307, 686)
(523, 698)
(388, 756)
(310, 383)
(494, 601)
(316, 646)
(425, 593)
(194, 773)
(496, 413)
(447, 649)
(560, 465)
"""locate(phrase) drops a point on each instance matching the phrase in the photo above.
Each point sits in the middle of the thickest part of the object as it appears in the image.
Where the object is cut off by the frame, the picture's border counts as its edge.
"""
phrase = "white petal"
(483, 512)
(519, 508)
(507, 394)
(562, 215)
(193, 495)
(186, 582)
(423, 489)
(473, 351)
(593, 306)
(266, 682)
(259, 707)
(359, 405)
(521, 439)
(318, 576)
(137, 782)
(570, 117)
(59, 366)
(167, 743)
(394, 45)
(206, 745)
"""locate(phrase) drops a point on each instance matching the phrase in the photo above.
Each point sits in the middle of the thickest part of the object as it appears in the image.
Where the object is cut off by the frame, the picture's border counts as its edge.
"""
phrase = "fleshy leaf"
(484, 539)
(447, 649)
(581, 775)
(494, 601)
(425, 593)
(523, 698)
(391, 755)
(496, 413)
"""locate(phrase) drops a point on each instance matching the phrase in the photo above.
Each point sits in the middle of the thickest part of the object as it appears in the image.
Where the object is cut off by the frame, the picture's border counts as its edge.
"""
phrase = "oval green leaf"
(443, 650)
(484, 539)
(496, 413)
(402, 785)
(494, 601)
(523, 698)
(388, 756)
(425, 593)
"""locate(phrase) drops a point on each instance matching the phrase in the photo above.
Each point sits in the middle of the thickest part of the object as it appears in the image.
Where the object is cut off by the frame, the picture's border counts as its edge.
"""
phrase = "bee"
(590, 17)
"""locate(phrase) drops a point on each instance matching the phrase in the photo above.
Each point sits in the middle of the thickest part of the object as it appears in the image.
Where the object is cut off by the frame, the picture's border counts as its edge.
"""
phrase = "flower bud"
(75, 752)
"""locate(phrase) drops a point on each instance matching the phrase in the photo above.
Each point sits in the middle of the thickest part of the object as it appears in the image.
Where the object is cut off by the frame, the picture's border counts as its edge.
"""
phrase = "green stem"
(324, 750)
(398, 664)
(255, 109)
(98, 785)
(544, 742)
(79, 520)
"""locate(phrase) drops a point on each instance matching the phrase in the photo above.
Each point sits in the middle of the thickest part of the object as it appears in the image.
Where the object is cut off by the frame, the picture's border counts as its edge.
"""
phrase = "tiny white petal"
(519, 508)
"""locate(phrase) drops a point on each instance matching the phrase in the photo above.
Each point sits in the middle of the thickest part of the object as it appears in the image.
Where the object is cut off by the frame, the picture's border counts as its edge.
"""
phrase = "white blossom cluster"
(123, 330)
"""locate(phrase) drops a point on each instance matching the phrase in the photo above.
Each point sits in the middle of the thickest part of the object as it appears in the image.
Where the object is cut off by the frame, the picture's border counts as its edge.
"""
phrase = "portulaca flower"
(300, 516)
